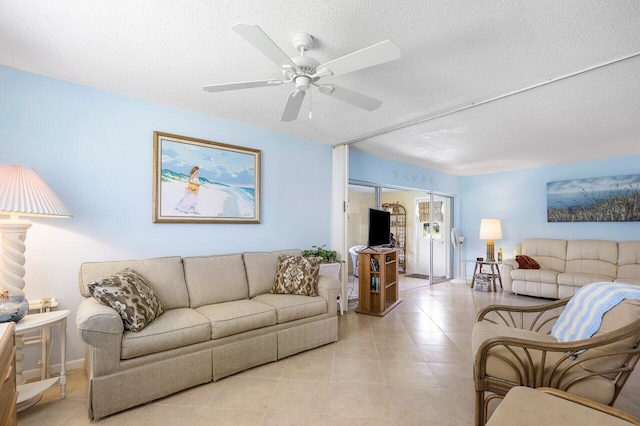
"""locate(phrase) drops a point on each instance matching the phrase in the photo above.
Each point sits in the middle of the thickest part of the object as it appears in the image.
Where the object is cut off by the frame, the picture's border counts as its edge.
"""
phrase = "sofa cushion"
(592, 257)
(535, 282)
(625, 313)
(496, 367)
(484, 330)
(526, 262)
(261, 269)
(296, 275)
(579, 280)
(535, 275)
(235, 317)
(215, 279)
(164, 275)
(597, 388)
(550, 253)
(128, 293)
(176, 328)
(525, 406)
(290, 307)
(627, 281)
(628, 262)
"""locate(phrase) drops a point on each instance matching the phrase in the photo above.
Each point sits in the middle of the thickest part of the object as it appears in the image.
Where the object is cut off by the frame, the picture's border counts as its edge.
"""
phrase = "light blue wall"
(519, 200)
(95, 150)
(372, 169)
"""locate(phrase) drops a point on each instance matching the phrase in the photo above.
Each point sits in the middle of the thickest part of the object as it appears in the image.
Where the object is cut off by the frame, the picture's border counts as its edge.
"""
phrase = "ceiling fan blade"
(241, 85)
(254, 35)
(292, 108)
(377, 54)
(350, 97)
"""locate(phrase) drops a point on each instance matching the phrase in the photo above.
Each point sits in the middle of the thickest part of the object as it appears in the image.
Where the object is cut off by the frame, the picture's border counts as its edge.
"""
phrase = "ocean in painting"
(215, 199)
(607, 199)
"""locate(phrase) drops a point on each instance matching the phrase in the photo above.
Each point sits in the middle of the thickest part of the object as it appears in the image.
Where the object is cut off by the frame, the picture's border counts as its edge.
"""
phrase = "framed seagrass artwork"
(603, 199)
(199, 181)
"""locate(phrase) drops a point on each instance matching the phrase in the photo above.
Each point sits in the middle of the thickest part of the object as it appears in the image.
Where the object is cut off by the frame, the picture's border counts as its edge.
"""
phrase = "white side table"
(29, 394)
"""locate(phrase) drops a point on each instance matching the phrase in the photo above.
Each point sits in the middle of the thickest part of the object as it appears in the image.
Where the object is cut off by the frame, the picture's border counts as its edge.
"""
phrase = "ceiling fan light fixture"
(302, 83)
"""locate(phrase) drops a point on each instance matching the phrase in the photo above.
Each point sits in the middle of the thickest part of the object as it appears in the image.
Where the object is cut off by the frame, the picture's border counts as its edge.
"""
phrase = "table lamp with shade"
(22, 193)
(490, 230)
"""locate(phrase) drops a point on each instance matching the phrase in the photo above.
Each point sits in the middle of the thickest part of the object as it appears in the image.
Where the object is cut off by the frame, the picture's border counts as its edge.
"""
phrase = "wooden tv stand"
(378, 287)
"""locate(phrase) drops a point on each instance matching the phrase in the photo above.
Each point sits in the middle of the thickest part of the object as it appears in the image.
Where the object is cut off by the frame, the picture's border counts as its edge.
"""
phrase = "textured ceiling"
(454, 54)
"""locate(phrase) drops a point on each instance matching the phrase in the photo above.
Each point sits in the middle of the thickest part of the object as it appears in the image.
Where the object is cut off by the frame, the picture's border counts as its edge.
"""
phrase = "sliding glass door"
(433, 236)
(420, 223)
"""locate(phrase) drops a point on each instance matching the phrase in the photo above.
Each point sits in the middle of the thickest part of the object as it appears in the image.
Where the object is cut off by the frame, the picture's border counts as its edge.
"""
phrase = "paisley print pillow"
(129, 294)
(296, 275)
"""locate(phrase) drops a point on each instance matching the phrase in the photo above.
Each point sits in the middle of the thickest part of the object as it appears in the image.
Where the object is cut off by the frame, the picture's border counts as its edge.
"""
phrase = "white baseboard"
(55, 369)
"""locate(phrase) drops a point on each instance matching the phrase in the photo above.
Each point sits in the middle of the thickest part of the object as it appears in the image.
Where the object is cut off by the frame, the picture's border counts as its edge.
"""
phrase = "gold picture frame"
(200, 181)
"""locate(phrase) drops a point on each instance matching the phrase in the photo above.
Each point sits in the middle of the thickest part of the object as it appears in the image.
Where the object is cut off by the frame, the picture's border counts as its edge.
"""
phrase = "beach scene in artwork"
(226, 178)
(605, 199)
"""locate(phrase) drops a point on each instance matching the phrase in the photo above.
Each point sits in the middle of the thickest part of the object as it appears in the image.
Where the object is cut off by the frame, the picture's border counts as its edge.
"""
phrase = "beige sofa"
(565, 266)
(218, 320)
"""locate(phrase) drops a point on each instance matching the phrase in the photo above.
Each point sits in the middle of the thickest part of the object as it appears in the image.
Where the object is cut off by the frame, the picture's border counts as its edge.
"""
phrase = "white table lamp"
(22, 193)
(490, 230)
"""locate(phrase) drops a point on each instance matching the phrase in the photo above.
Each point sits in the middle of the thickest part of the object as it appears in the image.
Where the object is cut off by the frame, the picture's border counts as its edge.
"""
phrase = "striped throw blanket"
(583, 314)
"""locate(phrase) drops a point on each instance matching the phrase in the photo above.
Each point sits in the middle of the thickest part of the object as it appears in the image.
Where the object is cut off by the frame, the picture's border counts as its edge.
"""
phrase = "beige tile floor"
(411, 367)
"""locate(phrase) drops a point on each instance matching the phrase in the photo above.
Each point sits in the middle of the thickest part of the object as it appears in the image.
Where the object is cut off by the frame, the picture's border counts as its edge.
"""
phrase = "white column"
(340, 216)
(14, 232)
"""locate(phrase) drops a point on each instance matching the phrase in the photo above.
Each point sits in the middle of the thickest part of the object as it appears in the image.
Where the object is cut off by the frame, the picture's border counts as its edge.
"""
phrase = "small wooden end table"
(493, 274)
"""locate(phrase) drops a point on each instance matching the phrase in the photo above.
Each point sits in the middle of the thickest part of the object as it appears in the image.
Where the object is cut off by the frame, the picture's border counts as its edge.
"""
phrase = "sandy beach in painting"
(214, 200)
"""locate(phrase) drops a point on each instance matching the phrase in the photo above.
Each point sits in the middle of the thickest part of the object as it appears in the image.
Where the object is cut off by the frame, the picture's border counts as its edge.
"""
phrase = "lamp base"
(490, 251)
(13, 309)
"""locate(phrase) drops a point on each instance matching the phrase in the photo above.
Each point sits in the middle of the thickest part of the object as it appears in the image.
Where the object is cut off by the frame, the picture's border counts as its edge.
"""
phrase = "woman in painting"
(190, 199)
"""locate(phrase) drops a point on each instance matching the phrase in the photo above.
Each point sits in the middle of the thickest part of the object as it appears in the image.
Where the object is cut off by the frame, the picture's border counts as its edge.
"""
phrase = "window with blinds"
(424, 210)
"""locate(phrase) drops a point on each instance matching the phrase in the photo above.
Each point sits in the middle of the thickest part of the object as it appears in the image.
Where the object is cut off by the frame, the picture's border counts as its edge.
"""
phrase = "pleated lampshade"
(24, 193)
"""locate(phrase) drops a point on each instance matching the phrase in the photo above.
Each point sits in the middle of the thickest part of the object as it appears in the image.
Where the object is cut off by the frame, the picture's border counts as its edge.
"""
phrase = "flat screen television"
(379, 228)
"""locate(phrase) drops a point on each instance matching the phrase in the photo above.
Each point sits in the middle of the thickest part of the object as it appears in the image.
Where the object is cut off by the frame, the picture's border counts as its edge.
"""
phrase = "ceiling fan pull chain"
(310, 104)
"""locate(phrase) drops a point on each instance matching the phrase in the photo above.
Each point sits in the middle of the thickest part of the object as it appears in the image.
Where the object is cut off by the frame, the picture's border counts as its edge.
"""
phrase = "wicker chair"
(512, 346)
(524, 406)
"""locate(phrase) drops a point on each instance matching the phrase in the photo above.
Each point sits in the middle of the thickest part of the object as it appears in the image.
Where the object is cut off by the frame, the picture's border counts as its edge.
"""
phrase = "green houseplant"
(328, 256)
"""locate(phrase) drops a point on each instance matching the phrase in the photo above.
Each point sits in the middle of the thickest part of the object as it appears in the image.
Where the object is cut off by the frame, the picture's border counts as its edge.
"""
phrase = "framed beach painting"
(199, 181)
(602, 199)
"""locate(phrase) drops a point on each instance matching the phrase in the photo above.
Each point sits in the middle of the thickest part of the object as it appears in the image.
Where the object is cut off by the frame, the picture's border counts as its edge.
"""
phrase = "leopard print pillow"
(296, 275)
(129, 294)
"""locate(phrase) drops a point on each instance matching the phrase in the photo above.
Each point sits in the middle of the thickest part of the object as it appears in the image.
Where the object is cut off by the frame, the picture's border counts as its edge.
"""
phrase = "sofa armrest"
(329, 288)
(101, 328)
(95, 316)
(507, 266)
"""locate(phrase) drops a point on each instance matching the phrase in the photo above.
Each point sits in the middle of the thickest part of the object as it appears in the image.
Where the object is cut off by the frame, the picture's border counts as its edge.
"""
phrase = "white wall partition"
(340, 208)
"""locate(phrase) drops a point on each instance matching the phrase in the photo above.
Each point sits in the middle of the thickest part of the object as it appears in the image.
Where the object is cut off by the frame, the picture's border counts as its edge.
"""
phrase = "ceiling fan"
(304, 71)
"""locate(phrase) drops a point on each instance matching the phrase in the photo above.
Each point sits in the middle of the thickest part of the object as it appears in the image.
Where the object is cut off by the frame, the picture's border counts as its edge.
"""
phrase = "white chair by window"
(353, 251)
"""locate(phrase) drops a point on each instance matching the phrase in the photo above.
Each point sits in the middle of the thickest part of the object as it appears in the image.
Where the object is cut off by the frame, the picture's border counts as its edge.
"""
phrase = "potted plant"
(330, 264)
(328, 256)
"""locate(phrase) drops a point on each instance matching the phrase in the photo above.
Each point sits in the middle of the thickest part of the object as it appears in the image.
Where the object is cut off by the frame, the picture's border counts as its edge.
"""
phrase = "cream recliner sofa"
(219, 319)
(567, 265)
